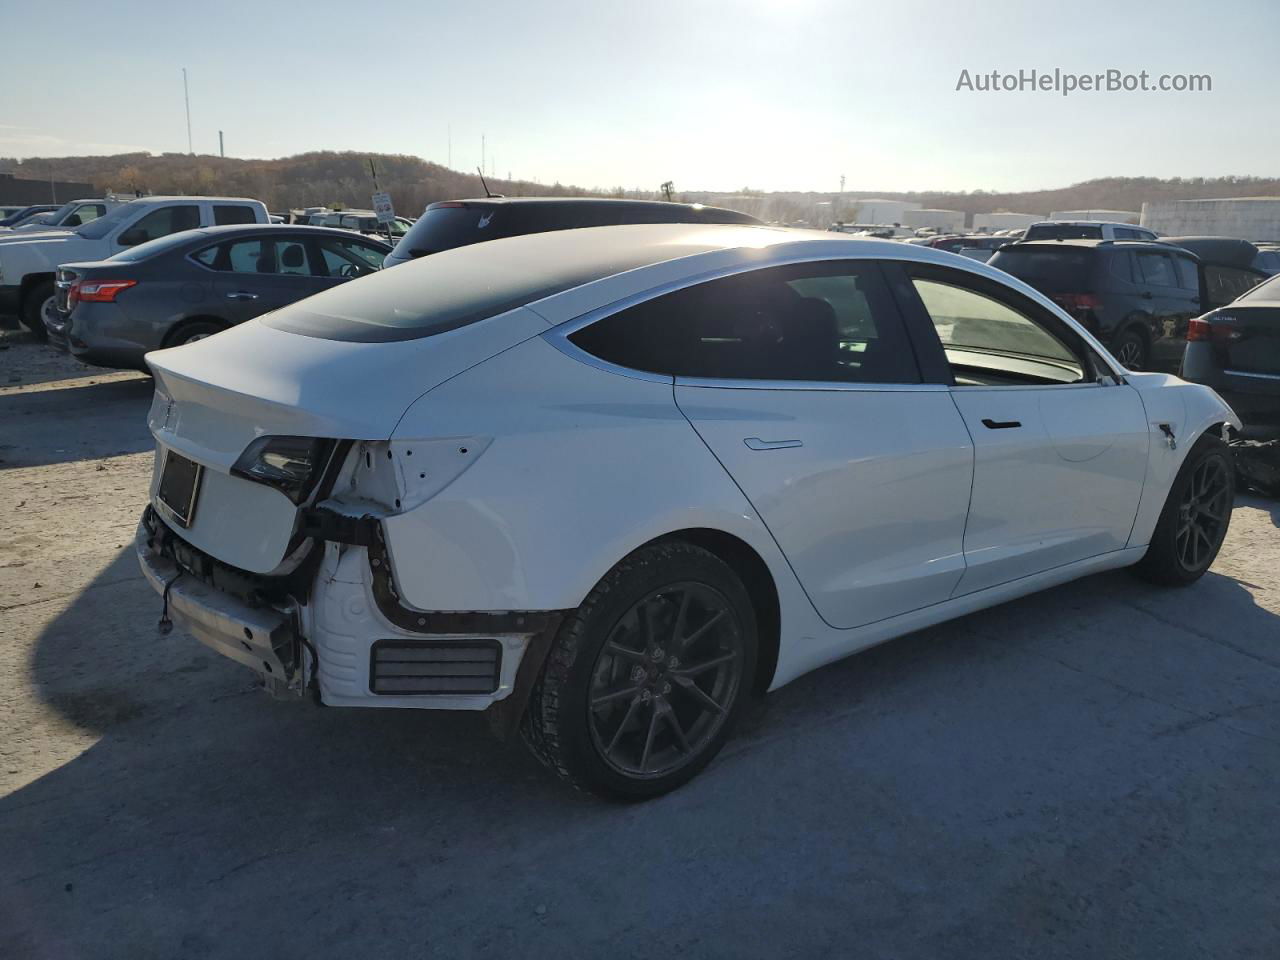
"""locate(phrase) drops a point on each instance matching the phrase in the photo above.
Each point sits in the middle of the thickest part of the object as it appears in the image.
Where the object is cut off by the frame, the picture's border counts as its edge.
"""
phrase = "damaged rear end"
(275, 469)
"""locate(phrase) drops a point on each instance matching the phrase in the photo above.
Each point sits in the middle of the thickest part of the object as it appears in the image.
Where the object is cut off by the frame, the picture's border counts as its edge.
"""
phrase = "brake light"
(1078, 302)
(98, 291)
(1219, 327)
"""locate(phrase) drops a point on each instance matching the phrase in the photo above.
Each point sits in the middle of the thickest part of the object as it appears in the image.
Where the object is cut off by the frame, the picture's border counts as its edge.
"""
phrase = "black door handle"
(1146, 295)
(1000, 424)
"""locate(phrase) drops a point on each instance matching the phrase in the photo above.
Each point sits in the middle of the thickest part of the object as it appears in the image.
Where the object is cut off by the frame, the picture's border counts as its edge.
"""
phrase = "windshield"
(1046, 268)
(57, 215)
(99, 228)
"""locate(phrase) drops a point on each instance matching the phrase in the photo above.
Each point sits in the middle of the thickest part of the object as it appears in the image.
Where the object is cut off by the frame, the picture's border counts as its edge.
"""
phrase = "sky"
(766, 94)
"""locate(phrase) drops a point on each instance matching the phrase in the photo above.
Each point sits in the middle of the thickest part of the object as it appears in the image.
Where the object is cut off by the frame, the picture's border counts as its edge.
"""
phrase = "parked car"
(1231, 254)
(23, 215)
(1235, 349)
(187, 286)
(974, 246)
(1087, 230)
(455, 223)
(361, 221)
(609, 483)
(75, 213)
(1136, 297)
(8, 210)
(29, 262)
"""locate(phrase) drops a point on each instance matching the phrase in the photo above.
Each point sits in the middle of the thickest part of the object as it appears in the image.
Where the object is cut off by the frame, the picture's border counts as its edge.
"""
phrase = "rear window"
(1046, 268)
(444, 228)
(152, 248)
(1063, 231)
(442, 293)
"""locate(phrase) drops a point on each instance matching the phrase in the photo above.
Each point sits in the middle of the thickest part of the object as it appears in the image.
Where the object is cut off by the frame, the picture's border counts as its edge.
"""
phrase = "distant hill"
(1108, 193)
(308, 179)
(329, 178)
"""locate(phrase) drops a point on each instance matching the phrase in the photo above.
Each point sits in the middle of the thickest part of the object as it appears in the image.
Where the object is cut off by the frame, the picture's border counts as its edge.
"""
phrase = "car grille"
(400, 667)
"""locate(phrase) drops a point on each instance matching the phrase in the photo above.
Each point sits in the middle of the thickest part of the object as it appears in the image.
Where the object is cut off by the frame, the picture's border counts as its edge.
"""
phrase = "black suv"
(456, 223)
(1137, 297)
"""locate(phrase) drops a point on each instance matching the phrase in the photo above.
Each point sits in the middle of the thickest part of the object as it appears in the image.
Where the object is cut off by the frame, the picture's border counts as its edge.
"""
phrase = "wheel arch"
(30, 282)
(172, 334)
(755, 575)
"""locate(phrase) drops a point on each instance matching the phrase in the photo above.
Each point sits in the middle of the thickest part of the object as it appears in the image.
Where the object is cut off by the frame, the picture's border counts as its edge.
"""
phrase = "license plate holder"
(179, 487)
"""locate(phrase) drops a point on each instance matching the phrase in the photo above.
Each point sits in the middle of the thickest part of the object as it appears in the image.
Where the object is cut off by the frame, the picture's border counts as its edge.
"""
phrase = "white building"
(1005, 221)
(1112, 216)
(1249, 218)
(947, 220)
(879, 211)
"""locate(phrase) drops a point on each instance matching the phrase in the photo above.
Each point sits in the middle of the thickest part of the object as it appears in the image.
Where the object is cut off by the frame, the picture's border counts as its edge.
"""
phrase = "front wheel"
(1195, 517)
(647, 678)
(37, 304)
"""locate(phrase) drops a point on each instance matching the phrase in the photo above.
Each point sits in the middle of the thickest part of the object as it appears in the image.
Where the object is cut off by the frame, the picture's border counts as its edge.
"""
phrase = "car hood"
(48, 235)
(216, 396)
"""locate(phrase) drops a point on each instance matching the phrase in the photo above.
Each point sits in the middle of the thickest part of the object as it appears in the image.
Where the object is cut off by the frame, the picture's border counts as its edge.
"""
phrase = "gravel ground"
(1091, 772)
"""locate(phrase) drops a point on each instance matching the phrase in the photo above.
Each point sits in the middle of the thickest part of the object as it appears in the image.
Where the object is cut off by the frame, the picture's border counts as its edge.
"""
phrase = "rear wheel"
(646, 680)
(38, 302)
(1130, 348)
(1195, 517)
(194, 332)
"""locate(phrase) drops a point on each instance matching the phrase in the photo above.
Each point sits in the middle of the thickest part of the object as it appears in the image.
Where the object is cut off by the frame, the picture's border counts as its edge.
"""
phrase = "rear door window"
(1157, 268)
(229, 213)
(824, 322)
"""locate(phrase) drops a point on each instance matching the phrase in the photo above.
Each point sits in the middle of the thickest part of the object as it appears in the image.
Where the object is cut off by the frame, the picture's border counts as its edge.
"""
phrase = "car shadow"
(949, 770)
(26, 361)
(111, 419)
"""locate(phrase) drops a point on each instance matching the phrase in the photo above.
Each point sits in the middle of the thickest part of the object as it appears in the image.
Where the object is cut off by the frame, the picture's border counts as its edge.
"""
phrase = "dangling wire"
(165, 626)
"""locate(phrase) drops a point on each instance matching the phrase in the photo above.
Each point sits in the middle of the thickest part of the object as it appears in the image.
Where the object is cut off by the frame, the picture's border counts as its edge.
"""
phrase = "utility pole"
(449, 162)
(221, 150)
(53, 186)
(186, 97)
(840, 201)
(482, 152)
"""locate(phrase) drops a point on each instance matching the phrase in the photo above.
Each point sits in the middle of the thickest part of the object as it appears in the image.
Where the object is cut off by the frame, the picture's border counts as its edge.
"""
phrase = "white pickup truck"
(29, 261)
(72, 214)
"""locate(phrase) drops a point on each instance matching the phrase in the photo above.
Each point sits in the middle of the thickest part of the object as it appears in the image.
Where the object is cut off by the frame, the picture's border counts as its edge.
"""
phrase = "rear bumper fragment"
(262, 638)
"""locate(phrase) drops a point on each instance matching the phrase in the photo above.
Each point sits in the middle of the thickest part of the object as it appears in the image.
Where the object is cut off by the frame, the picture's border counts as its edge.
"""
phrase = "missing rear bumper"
(263, 638)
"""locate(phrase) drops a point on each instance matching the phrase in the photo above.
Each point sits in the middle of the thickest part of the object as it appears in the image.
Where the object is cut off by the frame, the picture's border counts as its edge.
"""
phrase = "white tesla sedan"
(609, 483)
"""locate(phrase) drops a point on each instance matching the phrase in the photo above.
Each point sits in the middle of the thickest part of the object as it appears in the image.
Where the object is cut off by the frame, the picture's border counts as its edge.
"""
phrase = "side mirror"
(131, 238)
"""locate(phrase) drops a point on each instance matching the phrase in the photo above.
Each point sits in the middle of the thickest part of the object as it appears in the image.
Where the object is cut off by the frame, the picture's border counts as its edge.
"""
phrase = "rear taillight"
(1199, 329)
(1078, 302)
(1218, 327)
(98, 291)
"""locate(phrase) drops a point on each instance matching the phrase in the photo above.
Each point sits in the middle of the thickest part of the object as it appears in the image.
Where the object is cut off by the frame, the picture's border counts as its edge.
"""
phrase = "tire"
(1132, 345)
(33, 307)
(627, 725)
(193, 332)
(1179, 555)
